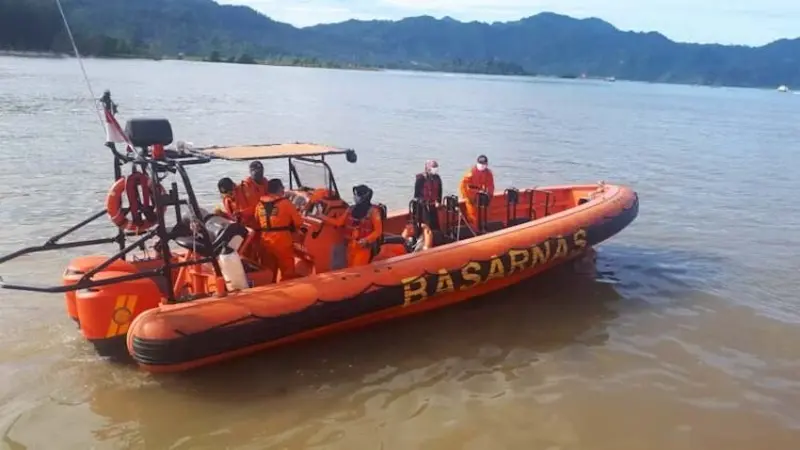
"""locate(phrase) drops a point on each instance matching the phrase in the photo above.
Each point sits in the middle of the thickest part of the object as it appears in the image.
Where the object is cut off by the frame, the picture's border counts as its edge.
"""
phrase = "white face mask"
(433, 170)
(481, 167)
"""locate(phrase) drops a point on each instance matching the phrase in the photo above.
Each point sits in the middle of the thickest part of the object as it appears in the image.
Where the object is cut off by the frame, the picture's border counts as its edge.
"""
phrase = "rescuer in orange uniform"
(428, 189)
(364, 226)
(278, 219)
(237, 207)
(477, 179)
(235, 204)
(255, 186)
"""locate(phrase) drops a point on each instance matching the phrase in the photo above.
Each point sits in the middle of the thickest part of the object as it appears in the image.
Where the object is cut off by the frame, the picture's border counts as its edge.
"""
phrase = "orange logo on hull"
(121, 317)
(420, 288)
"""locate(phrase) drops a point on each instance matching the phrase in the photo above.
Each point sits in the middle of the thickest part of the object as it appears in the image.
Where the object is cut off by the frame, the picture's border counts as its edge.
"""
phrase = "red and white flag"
(114, 132)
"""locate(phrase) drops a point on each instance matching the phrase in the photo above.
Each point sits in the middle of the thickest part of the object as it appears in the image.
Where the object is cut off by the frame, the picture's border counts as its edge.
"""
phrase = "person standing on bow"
(278, 219)
(478, 179)
(364, 226)
(428, 190)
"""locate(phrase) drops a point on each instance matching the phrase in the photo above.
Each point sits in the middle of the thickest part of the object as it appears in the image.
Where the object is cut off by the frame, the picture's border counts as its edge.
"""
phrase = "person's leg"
(281, 254)
(358, 255)
(431, 216)
(471, 215)
(286, 264)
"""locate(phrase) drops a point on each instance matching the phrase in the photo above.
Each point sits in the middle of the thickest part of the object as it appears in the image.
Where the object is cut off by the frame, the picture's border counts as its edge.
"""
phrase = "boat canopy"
(271, 151)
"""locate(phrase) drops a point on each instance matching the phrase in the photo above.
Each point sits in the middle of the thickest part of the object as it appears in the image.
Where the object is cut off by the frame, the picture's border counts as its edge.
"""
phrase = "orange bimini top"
(560, 223)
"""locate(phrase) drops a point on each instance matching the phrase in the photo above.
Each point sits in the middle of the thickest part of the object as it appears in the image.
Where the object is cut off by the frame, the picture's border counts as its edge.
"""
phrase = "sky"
(747, 22)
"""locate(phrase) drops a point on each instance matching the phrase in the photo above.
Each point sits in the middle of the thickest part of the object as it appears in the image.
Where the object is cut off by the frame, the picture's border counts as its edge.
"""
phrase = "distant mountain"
(546, 44)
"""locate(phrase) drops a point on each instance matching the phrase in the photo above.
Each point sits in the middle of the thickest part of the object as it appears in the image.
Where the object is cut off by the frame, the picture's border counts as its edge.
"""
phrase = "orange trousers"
(280, 249)
(471, 214)
(254, 252)
(358, 255)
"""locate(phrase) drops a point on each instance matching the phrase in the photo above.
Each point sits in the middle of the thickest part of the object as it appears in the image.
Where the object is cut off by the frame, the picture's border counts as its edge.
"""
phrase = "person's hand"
(363, 243)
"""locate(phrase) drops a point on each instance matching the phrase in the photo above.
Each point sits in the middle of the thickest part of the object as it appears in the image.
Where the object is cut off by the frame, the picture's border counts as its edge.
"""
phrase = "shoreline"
(340, 66)
(31, 54)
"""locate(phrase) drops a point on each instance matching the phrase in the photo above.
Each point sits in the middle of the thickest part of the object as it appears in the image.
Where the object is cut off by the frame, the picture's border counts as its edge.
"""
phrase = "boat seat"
(491, 227)
(390, 238)
(518, 221)
(439, 238)
(219, 238)
(250, 266)
(462, 232)
(194, 244)
(145, 133)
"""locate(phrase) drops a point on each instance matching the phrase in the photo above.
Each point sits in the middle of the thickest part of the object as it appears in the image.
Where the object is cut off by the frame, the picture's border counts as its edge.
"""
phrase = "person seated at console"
(417, 237)
(237, 207)
(235, 204)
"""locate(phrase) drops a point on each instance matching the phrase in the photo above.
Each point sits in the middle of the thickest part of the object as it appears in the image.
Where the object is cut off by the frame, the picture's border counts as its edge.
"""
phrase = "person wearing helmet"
(477, 179)
(428, 190)
(364, 227)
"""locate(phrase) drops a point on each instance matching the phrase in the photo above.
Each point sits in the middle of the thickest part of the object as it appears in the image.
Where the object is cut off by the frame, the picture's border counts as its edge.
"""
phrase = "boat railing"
(86, 280)
(512, 196)
(154, 167)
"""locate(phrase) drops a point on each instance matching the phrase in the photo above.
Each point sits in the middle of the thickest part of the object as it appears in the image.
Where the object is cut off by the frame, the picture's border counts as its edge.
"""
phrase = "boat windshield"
(311, 174)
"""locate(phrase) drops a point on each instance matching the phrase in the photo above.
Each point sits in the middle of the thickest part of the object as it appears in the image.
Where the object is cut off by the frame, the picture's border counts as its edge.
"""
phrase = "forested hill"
(545, 44)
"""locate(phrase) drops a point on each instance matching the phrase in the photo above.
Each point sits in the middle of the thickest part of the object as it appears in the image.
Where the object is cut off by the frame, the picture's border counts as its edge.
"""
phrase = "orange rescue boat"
(201, 300)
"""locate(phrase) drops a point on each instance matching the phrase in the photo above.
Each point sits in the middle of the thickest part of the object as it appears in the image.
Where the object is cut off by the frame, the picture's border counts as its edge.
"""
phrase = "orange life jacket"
(481, 179)
(475, 180)
(253, 190)
(361, 228)
(235, 202)
(430, 190)
(273, 219)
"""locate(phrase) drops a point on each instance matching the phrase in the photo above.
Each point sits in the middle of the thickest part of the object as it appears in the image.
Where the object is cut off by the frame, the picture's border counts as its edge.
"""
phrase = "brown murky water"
(686, 338)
